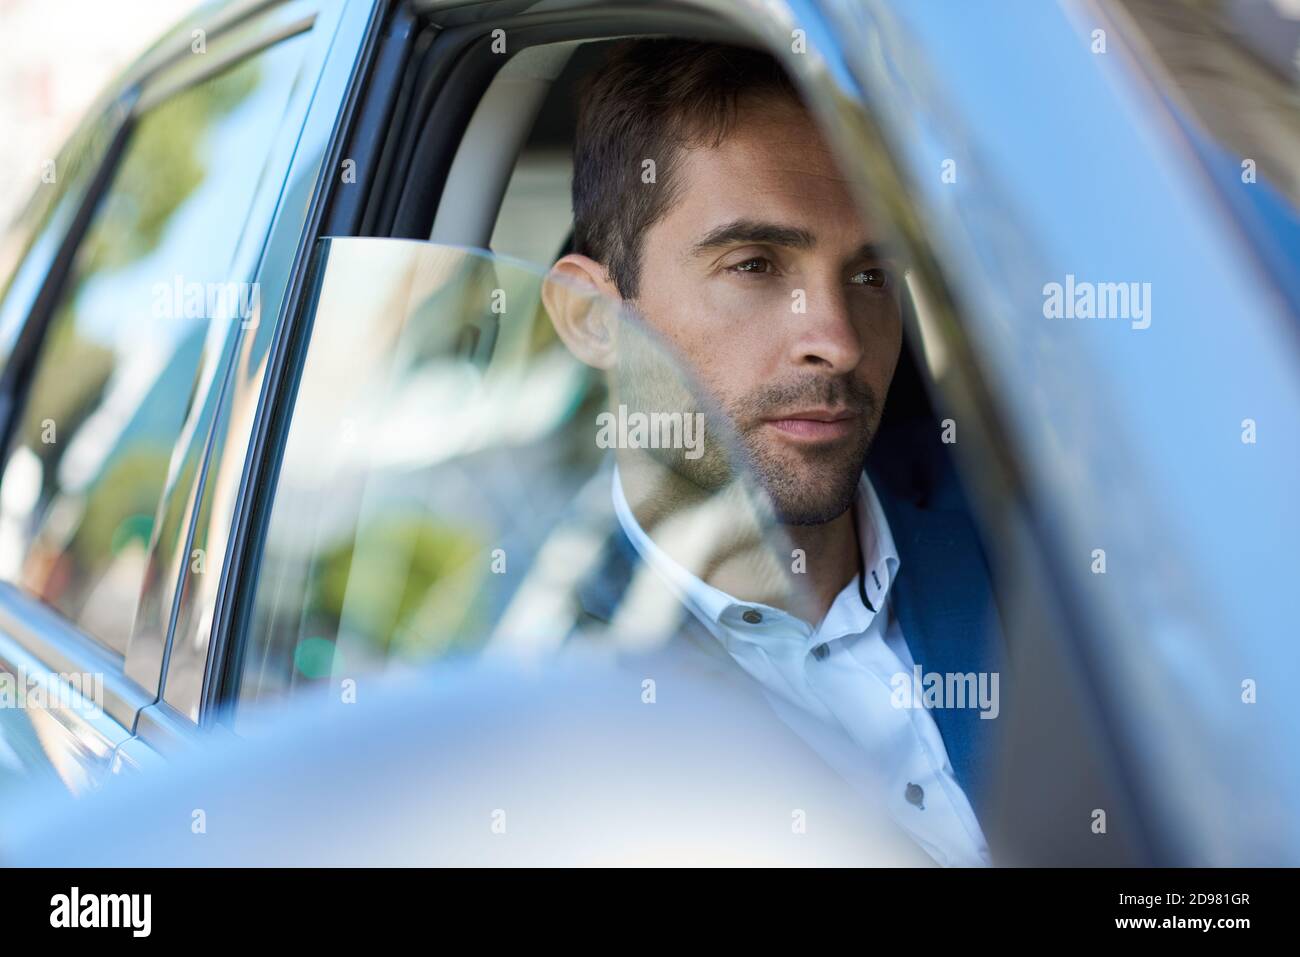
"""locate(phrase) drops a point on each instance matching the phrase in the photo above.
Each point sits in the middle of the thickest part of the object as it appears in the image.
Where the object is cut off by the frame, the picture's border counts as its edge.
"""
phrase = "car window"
(134, 342)
(31, 241)
(447, 487)
(1232, 70)
(1232, 79)
(535, 217)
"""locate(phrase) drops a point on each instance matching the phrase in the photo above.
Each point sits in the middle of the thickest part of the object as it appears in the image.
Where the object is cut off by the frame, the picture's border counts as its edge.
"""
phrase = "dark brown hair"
(648, 101)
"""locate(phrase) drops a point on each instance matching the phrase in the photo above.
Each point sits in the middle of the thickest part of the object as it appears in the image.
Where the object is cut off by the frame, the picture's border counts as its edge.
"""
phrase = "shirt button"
(915, 794)
(820, 652)
(752, 616)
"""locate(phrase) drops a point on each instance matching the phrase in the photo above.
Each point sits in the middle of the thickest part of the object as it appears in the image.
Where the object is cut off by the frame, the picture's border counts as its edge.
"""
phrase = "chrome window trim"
(166, 733)
(149, 652)
(32, 631)
(177, 42)
(352, 30)
(77, 740)
(280, 23)
(45, 243)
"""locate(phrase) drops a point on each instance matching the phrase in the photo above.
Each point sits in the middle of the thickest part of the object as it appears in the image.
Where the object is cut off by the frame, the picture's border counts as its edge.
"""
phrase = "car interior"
(460, 137)
(472, 149)
(506, 183)
(505, 192)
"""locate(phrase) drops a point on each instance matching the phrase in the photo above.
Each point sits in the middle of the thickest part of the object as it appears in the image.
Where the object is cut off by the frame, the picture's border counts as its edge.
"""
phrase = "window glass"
(1233, 81)
(448, 486)
(146, 310)
(1234, 66)
(29, 244)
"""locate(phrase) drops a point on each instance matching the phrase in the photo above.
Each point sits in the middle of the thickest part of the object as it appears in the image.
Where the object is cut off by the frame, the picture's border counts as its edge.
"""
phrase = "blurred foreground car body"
(179, 523)
(478, 767)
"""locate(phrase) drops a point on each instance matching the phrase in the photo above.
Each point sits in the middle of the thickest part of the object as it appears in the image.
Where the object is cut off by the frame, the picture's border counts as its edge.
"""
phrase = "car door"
(343, 570)
(1056, 425)
(1141, 527)
(342, 42)
(121, 327)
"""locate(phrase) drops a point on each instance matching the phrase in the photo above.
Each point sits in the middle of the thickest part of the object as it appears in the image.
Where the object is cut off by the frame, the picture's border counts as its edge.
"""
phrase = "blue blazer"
(943, 596)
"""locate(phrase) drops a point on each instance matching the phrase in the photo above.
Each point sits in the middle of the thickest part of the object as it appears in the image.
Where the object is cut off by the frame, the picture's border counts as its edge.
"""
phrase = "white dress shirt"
(832, 684)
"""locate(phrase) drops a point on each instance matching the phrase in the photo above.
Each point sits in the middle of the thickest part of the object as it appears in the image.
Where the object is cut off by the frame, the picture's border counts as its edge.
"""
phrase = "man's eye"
(756, 265)
(876, 277)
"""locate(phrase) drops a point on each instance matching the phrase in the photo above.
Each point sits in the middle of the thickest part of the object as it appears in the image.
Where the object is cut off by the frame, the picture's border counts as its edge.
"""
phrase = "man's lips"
(816, 425)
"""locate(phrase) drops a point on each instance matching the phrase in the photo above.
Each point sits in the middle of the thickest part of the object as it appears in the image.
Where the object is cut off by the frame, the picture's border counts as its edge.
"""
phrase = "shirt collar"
(879, 563)
(879, 555)
(708, 603)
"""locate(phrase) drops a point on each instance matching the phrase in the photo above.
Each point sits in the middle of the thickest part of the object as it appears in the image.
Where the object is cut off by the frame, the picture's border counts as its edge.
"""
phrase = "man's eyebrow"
(743, 231)
(873, 252)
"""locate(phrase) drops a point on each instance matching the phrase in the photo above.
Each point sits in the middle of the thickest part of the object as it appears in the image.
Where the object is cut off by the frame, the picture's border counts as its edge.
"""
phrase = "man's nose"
(825, 335)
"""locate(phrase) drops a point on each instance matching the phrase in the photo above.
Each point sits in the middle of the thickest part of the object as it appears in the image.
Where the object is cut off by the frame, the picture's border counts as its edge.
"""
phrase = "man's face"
(767, 284)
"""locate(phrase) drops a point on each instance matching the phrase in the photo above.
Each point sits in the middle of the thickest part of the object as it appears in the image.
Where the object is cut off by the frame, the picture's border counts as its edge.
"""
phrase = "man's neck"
(742, 561)
(831, 552)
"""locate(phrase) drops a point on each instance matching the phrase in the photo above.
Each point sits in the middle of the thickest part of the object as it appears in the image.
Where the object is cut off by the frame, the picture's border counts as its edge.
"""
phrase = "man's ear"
(584, 306)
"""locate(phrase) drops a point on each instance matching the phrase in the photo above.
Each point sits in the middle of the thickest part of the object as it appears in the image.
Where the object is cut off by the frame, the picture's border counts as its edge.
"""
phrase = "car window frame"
(447, 90)
(34, 630)
(989, 452)
(345, 35)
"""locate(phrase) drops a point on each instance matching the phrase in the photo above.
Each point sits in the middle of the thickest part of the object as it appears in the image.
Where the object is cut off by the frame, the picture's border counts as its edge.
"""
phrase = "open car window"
(448, 484)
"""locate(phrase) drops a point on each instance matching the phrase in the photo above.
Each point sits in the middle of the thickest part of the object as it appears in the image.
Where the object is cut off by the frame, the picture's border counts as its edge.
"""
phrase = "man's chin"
(810, 492)
(805, 513)
(815, 500)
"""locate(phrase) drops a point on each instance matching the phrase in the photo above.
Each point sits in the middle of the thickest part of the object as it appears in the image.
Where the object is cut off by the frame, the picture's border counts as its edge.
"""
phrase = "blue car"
(284, 418)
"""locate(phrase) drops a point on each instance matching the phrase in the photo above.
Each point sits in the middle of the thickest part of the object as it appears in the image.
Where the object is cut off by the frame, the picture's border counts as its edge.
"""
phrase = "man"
(708, 205)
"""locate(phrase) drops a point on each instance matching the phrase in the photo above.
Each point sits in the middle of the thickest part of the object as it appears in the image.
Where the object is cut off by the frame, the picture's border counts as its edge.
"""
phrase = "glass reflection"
(131, 346)
(452, 474)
